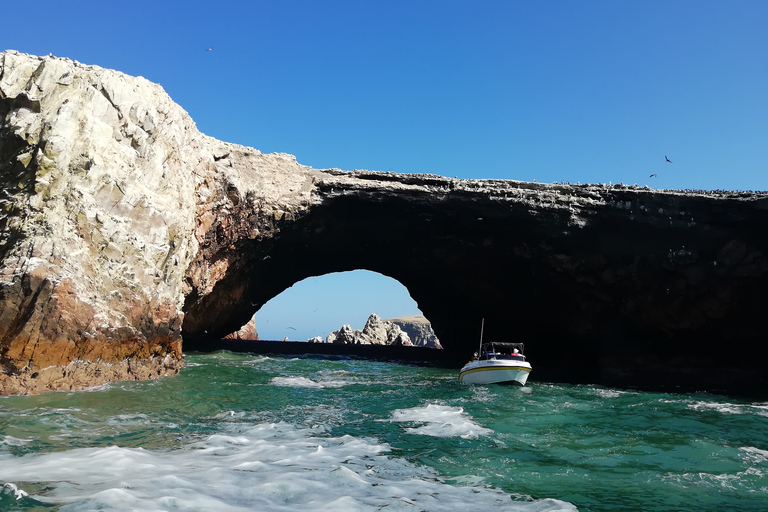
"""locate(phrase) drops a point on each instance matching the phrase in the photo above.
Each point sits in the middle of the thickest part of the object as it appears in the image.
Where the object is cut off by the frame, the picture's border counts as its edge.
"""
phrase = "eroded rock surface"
(92, 224)
(247, 332)
(123, 228)
(418, 329)
(108, 196)
(375, 332)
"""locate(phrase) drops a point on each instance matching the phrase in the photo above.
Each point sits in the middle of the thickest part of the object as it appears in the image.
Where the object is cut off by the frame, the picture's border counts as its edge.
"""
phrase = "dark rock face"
(611, 284)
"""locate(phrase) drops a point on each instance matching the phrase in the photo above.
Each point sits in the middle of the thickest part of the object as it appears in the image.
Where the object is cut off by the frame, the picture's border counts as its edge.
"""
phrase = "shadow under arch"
(438, 251)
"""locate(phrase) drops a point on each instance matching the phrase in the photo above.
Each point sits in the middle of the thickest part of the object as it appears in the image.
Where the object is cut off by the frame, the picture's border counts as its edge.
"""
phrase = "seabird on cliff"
(667, 159)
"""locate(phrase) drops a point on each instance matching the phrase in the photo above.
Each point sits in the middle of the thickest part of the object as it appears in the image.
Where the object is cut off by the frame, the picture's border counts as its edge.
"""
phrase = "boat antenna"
(482, 325)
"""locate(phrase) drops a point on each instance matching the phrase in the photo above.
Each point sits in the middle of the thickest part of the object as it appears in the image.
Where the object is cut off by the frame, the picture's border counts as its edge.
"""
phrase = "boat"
(497, 363)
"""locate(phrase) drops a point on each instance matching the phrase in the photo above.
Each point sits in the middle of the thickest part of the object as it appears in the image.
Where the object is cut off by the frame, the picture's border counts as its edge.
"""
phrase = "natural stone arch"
(445, 249)
(342, 235)
(124, 229)
(592, 280)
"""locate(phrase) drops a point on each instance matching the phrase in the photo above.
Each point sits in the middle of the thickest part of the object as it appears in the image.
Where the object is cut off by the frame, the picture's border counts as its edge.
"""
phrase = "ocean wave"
(731, 482)
(483, 394)
(231, 415)
(440, 421)
(244, 468)
(255, 360)
(755, 455)
(14, 441)
(303, 382)
(129, 419)
(609, 393)
(13, 490)
(758, 409)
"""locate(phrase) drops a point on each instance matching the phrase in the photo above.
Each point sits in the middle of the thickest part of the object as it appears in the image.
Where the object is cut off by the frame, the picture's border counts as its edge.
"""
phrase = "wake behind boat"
(497, 363)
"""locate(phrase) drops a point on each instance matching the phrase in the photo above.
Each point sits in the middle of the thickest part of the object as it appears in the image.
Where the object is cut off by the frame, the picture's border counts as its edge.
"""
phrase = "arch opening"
(316, 306)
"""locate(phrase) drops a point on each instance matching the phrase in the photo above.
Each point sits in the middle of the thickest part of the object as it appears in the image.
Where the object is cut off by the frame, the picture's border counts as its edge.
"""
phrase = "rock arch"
(639, 286)
(125, 230)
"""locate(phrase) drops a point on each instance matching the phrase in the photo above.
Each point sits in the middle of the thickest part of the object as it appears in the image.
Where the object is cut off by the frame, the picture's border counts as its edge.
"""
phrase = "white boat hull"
(495, 372)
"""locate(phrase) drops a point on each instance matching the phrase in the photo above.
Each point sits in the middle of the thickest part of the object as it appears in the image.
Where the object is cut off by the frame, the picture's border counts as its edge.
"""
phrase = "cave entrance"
(319, 305)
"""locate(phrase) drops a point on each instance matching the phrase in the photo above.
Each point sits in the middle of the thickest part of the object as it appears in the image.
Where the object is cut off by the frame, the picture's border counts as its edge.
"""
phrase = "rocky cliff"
(124, 230)
(108, 195)
(418, 329)
(247, 332)
(375, 332)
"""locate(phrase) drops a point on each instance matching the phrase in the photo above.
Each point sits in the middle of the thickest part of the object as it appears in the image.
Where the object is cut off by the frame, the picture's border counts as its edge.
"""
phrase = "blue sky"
(581, 91)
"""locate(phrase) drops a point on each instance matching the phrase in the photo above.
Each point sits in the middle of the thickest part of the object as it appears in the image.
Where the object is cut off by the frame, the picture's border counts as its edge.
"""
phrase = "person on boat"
(516, 353)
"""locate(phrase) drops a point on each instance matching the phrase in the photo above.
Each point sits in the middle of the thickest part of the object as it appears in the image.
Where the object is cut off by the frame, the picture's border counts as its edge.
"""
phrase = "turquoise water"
(247, 432)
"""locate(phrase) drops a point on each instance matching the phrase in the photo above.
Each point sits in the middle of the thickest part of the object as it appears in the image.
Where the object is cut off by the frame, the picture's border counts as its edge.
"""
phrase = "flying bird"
(653, 175)
(667, 159)
(209, 49)
(291, 328)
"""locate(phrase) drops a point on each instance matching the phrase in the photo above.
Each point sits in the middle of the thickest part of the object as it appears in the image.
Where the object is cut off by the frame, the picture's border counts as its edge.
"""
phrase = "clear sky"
(550, 90)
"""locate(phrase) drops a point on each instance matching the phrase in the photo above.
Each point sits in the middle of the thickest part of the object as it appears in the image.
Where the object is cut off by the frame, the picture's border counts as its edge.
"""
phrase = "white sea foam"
(759, 409)
(129, 419)
(723, 481)
(101, 387)
(244, 468)
(9, 488)
(755, 454)
(14, 441)
(231, 415)
(482, 394)
(440, 421)
(303, 382)
(608, 393)
(256, 360)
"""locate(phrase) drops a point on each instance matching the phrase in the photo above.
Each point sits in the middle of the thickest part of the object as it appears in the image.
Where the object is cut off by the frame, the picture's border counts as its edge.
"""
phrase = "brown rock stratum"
(247, 332)
(123, 229)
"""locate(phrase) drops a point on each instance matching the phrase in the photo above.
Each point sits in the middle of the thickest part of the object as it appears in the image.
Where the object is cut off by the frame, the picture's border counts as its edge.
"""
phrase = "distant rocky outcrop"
(247, 332)
(375, 332)
(418, 329)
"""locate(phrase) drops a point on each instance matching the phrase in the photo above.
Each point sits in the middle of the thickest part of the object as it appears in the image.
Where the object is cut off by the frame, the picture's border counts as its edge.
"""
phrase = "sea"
(246, 432)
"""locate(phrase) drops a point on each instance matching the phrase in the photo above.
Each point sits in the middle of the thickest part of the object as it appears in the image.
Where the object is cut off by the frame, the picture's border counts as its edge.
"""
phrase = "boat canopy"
(502, 347)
